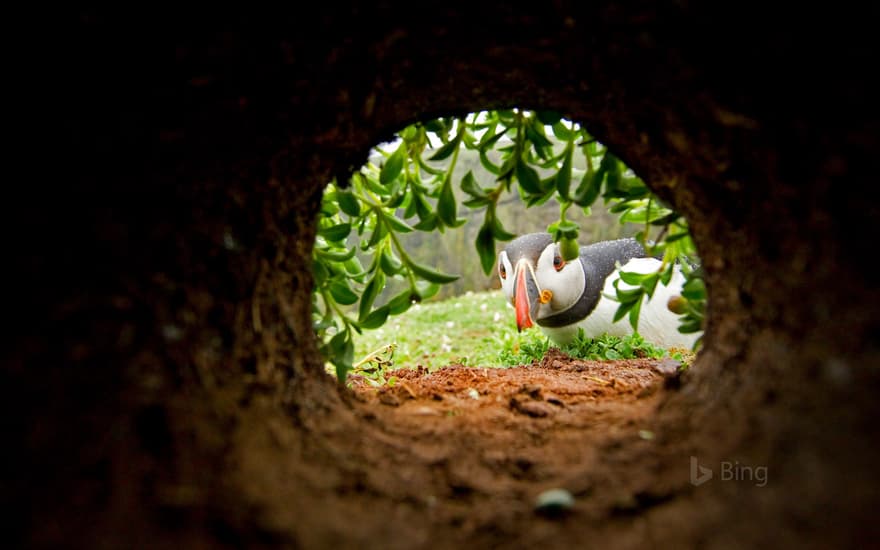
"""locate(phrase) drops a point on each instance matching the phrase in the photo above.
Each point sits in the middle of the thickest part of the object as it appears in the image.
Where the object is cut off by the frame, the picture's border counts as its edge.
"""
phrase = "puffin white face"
(506, 274)
(565, 280)
(543, 288)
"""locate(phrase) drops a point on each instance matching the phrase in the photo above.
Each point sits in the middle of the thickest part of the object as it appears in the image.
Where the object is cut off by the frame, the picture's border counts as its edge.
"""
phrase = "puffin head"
(536, 280)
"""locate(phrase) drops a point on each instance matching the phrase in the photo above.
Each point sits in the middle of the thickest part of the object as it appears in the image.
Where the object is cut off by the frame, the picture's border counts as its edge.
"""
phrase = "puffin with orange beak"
(562, 297)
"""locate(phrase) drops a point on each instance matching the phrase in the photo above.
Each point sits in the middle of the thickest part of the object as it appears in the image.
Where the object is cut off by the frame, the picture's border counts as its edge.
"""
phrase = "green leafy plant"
(635, 203)
(691, 305)
(358, 247)
(375, 366)
(534, 345)
(612, 347)
(530, 346)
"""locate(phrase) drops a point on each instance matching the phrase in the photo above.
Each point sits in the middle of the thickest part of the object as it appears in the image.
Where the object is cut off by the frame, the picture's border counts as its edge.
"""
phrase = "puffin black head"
(516, 269)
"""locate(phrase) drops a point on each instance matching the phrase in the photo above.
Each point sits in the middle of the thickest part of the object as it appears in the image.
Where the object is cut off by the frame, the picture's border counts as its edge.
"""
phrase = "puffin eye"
(558, 262)
(502, 271)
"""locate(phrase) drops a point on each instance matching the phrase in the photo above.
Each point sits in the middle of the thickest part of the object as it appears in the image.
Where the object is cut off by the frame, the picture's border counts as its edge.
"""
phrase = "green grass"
(469, 329)
(478, 329)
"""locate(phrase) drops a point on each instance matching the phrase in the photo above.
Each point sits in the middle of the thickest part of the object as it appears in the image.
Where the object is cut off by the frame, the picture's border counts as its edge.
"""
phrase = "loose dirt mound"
(492, 440)
(557, 387)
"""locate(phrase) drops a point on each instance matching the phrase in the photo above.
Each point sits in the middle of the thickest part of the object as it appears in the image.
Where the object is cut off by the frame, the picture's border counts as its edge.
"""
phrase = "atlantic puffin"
(562, 297)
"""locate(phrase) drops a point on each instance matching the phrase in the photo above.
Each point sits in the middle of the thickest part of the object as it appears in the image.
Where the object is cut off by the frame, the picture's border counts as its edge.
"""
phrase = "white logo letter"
(699, 474)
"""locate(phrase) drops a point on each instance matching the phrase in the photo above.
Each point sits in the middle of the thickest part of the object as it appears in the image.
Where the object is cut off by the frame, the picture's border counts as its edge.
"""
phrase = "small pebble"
(473, 394)
(647, 435)
(668, 367)
(554, 501)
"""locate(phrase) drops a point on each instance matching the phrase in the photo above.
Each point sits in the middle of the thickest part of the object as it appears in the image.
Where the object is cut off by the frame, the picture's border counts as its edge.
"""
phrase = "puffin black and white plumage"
(562, 297)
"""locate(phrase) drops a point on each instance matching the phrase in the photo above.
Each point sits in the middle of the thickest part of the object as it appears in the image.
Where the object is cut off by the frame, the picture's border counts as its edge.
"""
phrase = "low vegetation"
(476, 329)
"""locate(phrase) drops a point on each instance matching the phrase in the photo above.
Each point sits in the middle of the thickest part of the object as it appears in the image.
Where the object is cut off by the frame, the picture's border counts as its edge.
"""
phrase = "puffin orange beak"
(525, 295)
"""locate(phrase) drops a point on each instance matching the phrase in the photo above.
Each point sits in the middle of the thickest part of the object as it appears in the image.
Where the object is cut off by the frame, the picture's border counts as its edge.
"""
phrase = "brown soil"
(460, 454)
(506, 435)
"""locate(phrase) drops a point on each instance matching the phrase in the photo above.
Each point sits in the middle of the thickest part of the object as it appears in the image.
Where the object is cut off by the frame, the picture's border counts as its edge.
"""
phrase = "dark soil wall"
(160, 284)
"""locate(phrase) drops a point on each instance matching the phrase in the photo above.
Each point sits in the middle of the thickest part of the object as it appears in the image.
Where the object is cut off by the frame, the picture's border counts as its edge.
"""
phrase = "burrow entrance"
(151, 407)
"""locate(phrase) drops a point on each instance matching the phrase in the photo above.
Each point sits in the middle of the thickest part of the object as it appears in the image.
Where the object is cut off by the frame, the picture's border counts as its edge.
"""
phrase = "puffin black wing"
(603, 257)
(599, 261)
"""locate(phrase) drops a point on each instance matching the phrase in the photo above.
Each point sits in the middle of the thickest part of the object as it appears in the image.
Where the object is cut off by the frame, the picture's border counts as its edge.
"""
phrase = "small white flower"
(484, 306)
(450, 324)
(496, 317)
